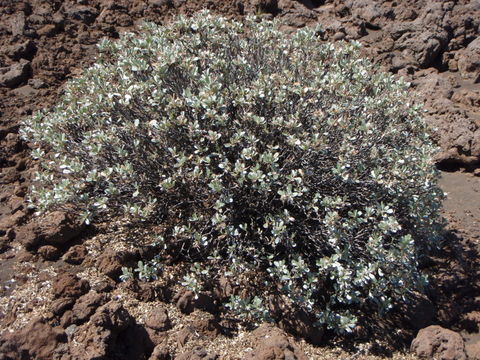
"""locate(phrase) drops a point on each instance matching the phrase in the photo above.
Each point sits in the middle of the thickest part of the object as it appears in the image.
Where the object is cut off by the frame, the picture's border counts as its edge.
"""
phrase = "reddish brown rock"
(67, 319)
(184, 335)
(185, 301)
(24, 256)
(49, 252)
(37, 340)
(469, 61)
(8, 223)
(98, 337)
(206, 326)
(160, 352)
(110, 262)
(469, 98)
(435, 342)
(85, 14)
(273, 344)
(75, 255)
(68, 285)
(56, 228)
(47, 30)
(86, 306)
(59, 306)
(103, 286)
(157, 319)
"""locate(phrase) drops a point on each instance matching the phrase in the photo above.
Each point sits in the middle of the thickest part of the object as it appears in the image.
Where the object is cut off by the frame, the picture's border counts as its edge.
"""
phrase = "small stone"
(70, 330)
(338, 36)
(157, 319)
(68, 285)
(66, 319)
(47, 30)
(185, 302)
(17, 24)
(59, 306)
(75, 255)
(58, 18)
(49, 253)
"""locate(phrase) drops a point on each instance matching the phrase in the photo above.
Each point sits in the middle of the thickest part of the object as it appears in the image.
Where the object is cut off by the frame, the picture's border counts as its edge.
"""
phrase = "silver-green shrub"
(254, 151)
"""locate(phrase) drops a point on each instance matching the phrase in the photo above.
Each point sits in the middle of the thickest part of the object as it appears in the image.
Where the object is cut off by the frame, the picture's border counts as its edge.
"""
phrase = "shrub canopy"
(254, 151)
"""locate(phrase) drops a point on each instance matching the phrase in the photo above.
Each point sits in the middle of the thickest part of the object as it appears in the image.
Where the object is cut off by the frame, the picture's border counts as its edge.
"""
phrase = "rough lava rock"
(37, 340)
(15, 74)
(69, 285)
(469, 61)
(98, 337)
(49, 252)
(110, 262)
(273, 344)
(160, 352)
(86, 306)
(75, 255)
(185, 301)
(157, 319)
(435, 342)
(55, 228)
(454, 128)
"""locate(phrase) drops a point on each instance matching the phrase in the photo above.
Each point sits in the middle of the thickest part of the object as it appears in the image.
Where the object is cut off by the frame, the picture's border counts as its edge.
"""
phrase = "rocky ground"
(60, 297)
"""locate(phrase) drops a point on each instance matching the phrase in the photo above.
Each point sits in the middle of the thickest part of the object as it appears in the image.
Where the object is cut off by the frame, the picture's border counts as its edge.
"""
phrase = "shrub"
(255, 152)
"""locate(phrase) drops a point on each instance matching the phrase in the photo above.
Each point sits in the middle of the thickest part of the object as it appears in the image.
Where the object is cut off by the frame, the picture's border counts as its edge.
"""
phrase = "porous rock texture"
(437, 342)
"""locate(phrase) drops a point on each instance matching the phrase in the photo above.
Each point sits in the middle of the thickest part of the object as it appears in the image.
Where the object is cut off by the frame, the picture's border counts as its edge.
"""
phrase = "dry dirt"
(57, 296)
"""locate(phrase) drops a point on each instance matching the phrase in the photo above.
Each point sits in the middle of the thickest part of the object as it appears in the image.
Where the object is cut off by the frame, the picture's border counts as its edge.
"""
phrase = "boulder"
(273, 344)
(435, 342)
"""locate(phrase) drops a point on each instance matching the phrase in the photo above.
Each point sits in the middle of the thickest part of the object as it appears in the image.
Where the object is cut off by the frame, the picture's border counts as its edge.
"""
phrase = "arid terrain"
(60, 294)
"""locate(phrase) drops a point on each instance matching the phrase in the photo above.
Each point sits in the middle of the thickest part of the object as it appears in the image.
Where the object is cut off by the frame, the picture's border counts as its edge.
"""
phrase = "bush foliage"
(254, 151)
